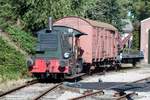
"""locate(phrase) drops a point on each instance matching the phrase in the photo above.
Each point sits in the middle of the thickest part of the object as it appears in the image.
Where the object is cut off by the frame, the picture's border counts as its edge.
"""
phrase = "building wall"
(145, 27)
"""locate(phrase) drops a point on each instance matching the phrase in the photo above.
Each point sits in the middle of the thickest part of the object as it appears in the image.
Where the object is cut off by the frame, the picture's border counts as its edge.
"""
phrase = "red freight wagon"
(73, 45)
(99, 44)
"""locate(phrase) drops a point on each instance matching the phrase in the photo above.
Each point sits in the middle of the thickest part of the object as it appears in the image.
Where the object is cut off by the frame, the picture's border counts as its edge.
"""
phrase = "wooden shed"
(145, 39)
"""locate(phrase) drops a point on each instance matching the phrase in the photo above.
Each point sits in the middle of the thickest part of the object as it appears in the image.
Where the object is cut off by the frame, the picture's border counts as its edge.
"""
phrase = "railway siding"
(131, 82)
(26, 91)
(59, 91)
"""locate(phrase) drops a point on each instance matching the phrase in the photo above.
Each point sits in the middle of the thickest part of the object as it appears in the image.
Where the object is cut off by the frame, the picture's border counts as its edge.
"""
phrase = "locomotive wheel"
(37, 75)
(73, 71)
(117, 67)
(77, 69)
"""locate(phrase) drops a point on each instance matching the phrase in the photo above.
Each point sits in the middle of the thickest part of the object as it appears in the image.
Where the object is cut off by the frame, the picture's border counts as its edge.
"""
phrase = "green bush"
(12, 62)
(23, 39)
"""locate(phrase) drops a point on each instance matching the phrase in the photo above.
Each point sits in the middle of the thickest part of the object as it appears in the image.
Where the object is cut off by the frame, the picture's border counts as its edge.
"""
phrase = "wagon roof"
(101, 24)
(94, 23)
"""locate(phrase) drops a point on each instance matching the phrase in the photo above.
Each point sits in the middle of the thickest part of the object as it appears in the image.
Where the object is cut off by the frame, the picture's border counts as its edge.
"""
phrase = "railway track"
(128, 95)
(32, 90)
(20, 87)
(64, 89)
(47, 91)
(120, 97)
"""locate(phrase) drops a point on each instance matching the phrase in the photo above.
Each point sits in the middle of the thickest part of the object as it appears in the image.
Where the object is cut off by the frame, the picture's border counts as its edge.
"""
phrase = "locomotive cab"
(56, 52)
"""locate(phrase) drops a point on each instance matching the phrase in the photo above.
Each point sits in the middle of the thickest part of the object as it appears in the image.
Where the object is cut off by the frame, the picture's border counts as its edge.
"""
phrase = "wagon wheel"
(79, 67)
(73, 70)
(134, 64)
(91, 70)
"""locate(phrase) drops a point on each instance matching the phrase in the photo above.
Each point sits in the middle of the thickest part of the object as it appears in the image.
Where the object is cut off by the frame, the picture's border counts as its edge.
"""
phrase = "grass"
(12, 62)
(24, 40)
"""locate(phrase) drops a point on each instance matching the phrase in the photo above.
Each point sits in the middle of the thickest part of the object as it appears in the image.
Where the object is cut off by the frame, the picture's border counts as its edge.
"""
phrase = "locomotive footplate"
(75, 76)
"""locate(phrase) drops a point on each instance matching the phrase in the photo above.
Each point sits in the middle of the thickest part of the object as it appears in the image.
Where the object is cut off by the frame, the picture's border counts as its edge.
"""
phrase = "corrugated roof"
(101, 24)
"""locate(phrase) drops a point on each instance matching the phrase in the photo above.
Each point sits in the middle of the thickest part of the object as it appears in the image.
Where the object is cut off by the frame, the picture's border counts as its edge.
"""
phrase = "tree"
(6, 15)
(79, 7)
(136, 35)
(32, 15)
(39, 11)
(107, 11)
(137, 10)
(140, 10)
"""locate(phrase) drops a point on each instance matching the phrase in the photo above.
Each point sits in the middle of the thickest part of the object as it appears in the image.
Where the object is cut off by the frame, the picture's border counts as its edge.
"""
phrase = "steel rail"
(147, 78)
(89, 94)
(126, 95)
(20, 87)
(83, 96)
(47, 91)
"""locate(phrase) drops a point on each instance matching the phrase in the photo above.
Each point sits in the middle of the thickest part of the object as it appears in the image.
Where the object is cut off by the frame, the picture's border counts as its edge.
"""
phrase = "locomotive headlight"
(30, 62)
(66, 55)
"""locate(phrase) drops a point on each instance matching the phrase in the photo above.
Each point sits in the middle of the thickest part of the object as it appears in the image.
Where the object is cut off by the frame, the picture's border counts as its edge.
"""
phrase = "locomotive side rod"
(20, 87)
(100, 91)
(47, 91)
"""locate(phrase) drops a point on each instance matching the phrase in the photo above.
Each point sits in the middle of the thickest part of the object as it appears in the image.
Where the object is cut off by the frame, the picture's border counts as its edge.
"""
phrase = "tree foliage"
(140, 9)
(6, 13)
(137, 10)
(32, 15)
(107, 11)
